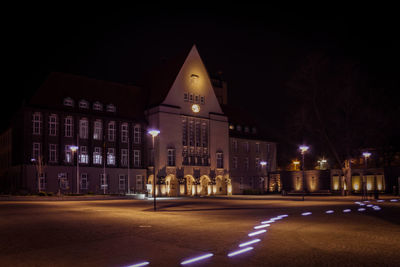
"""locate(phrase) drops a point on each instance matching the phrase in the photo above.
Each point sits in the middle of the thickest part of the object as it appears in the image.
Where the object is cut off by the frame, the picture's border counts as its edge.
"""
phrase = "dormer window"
(185, 96)
(69, 102)
(111, 108)
(238, 128)
(202, 100)
(246, 129)
(97, 106)
(83, 104)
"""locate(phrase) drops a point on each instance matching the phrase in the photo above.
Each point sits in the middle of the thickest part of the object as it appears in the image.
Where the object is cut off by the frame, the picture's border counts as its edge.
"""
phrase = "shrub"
(42, 194)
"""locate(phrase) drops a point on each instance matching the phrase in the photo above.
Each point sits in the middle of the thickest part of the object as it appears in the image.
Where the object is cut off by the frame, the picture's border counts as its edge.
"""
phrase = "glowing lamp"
(153, 132)
(73, 148)
(263, 163)
(195, 108)
(366, 154)
(303, 148)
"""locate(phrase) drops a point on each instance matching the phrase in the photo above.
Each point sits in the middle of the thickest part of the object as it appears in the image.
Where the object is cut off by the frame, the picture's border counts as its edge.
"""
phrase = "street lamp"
(154, 133)
(303, 149)
(75, 149)
(366, 156)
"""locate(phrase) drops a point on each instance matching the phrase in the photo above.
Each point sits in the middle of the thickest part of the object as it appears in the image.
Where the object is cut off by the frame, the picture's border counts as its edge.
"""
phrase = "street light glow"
(263, 163)
(303, 148)
(153, 132)
(73, 148)
(366, 154)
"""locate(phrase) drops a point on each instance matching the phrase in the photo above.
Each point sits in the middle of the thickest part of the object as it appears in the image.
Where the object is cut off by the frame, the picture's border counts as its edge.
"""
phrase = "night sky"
(257, 48)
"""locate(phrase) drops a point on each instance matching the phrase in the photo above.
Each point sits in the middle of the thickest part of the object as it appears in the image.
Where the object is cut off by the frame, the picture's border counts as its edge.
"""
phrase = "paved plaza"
(123, 232)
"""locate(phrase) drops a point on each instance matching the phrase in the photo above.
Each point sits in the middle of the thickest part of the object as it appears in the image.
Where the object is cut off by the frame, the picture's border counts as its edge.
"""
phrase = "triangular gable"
(193, 80)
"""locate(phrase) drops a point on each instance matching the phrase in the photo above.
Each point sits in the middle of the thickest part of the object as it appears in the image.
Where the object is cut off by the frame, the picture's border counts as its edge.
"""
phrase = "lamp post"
(263, 164)
(75, 149)
(154, 133)
(35, 161)
(366, 156)
(303, 149)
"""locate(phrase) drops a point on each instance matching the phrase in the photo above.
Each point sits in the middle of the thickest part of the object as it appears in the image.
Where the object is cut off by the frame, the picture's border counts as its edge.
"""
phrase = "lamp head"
(303, 148)
(263, 163)
(153, 132)
(73, 148)
(366, 154)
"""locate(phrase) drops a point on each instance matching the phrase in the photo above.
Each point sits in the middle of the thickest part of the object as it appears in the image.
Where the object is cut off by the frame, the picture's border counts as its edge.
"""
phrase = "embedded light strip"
(283, 216)
(249, 242)
(262, 226)
(306, 213)
(361, 209)
(239, 251)
(140, 264)
(257, 233)
(347, 210)
(369, 205)
(269, 221)
(197, 259)
(394, 200)
(380, 200)
(329, 211)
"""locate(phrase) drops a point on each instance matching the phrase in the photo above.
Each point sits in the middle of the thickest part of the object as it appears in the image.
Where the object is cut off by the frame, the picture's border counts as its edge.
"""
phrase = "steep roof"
(129, 100)
(158, 80)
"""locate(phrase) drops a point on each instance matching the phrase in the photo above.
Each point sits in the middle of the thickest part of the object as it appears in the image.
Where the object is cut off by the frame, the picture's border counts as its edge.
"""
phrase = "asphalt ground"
(124, 232)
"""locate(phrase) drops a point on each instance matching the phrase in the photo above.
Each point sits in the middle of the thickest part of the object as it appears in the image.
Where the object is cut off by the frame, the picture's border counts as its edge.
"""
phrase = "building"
(83, 135)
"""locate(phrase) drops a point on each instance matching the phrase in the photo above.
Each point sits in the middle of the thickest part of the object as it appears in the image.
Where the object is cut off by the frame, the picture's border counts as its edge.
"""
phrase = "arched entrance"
(190, 185)
(205, 185)
(221, 186)
(172, 185)
(150, 181)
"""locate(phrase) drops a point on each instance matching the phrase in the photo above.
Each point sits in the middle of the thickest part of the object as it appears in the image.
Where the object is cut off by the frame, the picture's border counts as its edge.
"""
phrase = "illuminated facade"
(80, 135)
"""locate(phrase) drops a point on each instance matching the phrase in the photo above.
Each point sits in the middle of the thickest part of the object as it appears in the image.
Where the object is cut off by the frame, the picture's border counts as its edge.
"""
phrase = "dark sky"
(256, 47)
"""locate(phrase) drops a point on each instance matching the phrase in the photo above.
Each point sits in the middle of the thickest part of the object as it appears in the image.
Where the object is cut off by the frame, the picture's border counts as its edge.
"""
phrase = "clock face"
(195, 108)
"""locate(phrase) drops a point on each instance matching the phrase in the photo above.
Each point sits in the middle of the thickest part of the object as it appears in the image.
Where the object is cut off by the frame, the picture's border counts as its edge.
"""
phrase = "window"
(111, 131)
(202, 100)
(197, 133)
(191, 97)
(136, 158)
(97, 133)
(184, 132)
(52, 153)
(246, 129)
(254, 130)
(97, 157)
(196, 99)
(235, 162)
(83, 155)
(220, 160)
(246, 146)
(191, 133)
(124, 132)
(42, 181)
(258, 147)
(63, 180)
(257, 163)
(121, 183)
(111, 156)
(53, 125)
(171, 157)
(124, 157)
(97, 106)
(68, 154)
(235, 145)
(68, 127)
(241, 185)
(69, 102)
(238, 128)
(139, 182)
(37, 123)
(84, 128)
(36, 151)
(136, 134)
(204, 134)
(111, 108)
(83, 104)
(185, 97)
(84, 181)
(103, 181)
(246, 163)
